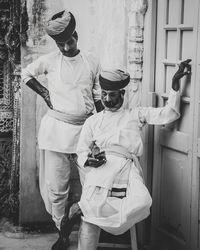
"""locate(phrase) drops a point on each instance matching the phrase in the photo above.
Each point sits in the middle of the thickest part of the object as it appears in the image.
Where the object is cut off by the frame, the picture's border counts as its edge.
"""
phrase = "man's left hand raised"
(184, 69)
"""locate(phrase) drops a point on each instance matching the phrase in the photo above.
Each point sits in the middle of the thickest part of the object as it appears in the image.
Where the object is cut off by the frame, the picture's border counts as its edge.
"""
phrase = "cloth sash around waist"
(68, 118)
(124, 153)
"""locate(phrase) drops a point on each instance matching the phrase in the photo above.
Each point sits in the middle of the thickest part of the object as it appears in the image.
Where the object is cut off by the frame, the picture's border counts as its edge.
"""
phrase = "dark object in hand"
(96, 158)
(100, 156)
(97, 154)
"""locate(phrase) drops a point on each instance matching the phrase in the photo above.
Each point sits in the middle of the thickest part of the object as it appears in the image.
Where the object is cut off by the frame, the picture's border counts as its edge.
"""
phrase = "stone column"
(9, 116)
(136, 13)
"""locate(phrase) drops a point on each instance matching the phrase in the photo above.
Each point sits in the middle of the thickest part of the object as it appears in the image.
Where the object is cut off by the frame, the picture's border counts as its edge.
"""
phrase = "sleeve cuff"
(174, 100)
(81, 160)
(25, 80)
(26, 76)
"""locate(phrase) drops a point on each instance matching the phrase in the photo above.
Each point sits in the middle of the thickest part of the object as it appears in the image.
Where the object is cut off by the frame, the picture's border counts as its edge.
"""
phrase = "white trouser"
(88, 236)
(54, 178)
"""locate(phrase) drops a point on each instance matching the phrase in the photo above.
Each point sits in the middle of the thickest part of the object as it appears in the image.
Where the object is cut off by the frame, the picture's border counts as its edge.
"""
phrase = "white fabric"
(114, 75)
(54, 178)
(73, 87)
(59, 24)
(88, 236)
(68, 118)
(112, 214)
(121, 128)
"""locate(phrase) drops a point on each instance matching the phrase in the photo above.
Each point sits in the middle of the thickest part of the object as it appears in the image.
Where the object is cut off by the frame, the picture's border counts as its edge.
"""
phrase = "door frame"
(148, 99)
(195, 207)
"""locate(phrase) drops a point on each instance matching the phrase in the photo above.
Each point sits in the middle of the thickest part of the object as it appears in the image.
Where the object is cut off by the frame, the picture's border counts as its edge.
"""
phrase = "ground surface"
(32, 241)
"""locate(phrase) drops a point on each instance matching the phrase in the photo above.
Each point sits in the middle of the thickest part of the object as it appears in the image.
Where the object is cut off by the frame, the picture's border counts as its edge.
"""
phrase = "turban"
(61, 26)
(113, 79)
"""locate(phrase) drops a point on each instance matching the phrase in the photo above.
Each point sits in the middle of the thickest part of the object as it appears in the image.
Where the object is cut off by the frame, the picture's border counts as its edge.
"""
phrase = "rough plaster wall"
(101, 26)
(31, 205)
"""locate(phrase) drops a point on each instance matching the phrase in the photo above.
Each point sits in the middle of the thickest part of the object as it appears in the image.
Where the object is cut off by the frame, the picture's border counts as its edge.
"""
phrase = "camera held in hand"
(101, 156)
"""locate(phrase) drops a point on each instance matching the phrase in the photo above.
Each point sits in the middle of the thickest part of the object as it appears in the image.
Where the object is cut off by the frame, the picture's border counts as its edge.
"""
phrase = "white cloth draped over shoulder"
(110, 129)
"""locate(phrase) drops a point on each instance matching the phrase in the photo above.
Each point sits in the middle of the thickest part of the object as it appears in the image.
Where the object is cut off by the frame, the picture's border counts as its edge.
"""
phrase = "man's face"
(112, 99)
(68, 48)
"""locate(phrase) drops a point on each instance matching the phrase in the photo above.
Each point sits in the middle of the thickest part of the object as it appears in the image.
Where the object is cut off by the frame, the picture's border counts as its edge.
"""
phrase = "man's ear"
(122, 92)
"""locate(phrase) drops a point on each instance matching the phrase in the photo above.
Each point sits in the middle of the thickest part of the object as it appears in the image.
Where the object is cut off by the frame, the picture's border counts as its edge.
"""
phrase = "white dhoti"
(101, 201)
(54, 179)
(55, 167)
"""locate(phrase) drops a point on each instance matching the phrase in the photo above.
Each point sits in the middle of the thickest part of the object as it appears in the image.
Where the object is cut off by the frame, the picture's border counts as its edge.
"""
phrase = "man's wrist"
(45, 94)
(176, 86)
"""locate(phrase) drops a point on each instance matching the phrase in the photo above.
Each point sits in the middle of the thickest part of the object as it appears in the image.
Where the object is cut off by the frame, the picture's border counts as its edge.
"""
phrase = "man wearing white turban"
(114, 196)
(72, 93)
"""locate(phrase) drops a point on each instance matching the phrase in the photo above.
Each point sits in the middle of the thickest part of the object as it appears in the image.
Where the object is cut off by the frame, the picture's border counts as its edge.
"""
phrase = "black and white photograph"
(99, 124)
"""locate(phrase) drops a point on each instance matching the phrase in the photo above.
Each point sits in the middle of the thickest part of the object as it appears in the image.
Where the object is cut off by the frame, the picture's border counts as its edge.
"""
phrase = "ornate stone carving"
(14, 175)
(5, 168)
(24, 23)
(4, 19)
(5, 86)
(11, 13)
(136, 12)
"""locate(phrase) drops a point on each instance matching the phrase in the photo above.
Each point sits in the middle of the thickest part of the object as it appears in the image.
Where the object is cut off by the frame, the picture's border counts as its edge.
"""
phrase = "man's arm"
(96, 91)
(29, 75)
(41, 90)
(85, 149)
(99, 106)
(170, 112)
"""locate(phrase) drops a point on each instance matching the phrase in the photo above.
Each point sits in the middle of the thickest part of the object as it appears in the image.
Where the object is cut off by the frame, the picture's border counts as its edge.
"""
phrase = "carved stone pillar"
(6, 111)
(136, 13)
(11, 12)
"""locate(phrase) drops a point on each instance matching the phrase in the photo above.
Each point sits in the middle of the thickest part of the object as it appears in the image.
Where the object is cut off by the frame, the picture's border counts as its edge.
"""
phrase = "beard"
(70, 52)
(109, 104)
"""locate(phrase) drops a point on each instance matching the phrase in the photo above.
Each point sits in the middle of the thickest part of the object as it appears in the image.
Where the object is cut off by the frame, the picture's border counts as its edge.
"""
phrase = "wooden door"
(195, 207)
(175, 161)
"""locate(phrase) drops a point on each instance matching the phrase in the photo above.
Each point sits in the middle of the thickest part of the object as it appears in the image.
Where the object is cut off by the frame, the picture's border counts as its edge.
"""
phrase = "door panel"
(173, 163)
(174, 206)
(171, 12)
(196, 158)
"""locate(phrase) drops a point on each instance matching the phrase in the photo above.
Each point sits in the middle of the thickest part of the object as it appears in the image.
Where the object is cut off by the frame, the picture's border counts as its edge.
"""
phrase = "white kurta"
(120, 128)
(73, 87)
